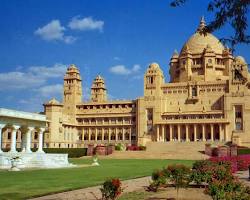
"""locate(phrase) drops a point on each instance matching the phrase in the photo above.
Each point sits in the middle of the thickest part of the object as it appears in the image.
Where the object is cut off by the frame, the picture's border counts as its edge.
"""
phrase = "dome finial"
(202, 24)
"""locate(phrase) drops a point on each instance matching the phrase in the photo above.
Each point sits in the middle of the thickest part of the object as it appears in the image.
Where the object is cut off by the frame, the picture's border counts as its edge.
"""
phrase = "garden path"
(93, 193)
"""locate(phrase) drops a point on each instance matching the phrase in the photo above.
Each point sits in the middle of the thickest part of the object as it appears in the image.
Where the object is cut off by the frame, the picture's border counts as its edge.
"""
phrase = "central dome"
(198, 42)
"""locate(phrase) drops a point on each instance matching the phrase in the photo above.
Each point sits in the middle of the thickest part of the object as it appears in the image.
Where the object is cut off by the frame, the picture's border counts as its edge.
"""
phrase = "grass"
(32, 183)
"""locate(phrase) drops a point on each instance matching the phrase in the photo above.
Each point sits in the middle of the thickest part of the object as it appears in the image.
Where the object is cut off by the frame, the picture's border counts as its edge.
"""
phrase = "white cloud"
(120, 69)
(85, 24)
(54, 31)
(136, 68)
(50, 90)
(123, 70)
(69, 39)
(34, 76)
(18, 80)
(57, 70)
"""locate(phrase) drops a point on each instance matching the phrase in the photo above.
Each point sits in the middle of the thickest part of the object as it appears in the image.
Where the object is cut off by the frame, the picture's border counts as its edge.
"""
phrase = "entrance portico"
(191, 132)
(11, 122)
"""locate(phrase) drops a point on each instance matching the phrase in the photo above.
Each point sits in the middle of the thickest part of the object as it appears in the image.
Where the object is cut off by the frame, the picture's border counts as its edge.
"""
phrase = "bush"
(243, 151)
(159, 179)
(136, 148)
(119, 147)
(142, 148)
(221, 182)
(179, 175)
(111, 189)
(238, 163)
(72, 152)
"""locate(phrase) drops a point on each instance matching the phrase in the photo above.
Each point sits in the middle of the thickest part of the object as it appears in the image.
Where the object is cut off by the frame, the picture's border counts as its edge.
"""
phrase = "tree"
(179, 175)
(233, 12)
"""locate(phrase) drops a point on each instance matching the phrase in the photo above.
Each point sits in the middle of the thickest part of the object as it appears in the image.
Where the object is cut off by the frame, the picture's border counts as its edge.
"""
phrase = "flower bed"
(214, 174)
(136, 148)
(238, 163)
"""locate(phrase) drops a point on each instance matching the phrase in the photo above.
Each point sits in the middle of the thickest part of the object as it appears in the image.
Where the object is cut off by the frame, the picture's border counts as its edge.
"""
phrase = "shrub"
(142, 148)
(119, 147)
(111, 189)
(238, 163)
(221, 183)
(72, 152)
(243, 151)
(179, 175)
(136, 148)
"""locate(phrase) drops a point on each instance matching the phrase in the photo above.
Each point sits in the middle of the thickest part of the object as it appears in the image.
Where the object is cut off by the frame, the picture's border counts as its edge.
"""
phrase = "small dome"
(175, 54)
(199, 41)
(240, 59)
(53, 101)
(99, 77)
(154, 66)
(72, 67)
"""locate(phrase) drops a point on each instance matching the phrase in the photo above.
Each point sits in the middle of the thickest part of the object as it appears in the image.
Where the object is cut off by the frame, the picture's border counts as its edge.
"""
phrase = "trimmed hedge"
(72, 152)
(243, 151)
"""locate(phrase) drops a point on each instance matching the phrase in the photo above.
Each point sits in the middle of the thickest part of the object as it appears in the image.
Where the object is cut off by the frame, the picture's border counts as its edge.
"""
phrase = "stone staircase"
(167, 150)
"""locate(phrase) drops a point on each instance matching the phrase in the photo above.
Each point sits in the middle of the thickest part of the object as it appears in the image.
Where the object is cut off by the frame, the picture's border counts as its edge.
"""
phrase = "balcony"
(192, 99)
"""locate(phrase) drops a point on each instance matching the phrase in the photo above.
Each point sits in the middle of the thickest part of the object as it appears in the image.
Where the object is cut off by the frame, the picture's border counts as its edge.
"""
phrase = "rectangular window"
(238, 117)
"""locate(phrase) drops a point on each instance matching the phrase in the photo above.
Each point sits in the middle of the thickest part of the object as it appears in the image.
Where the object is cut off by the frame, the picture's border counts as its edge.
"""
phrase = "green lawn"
(24, 184)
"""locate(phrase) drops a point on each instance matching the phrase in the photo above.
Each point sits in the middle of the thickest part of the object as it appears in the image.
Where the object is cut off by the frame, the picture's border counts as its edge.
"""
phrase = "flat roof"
(22, 115)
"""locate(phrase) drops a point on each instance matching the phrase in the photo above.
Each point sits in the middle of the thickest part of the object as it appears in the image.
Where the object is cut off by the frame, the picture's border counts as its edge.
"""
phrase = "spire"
(175, 54)
(202, 24)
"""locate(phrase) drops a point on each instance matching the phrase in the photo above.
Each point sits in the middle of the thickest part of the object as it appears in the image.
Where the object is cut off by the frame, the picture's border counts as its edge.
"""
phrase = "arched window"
(86, 137)
(106, 136)
(120, 136)
(113, 136)
(99, 136)
(127, 136)
(92, 136)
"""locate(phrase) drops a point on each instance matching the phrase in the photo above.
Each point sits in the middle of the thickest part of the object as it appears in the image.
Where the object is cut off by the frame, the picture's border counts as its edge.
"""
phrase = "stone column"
(116, 135)
(109, 136)
(1, 128)
(28, 140)
(130, 135)
(170, 132)
(13, 139)
(187, 133)
(203, 133)
(123, 135)
(96, 134)
(102, 134)
(195, 132)
(89, 134)
(157, 133)
(40, 142)
(212, 132)
(225, 132)
(164, 133)
(179, 132)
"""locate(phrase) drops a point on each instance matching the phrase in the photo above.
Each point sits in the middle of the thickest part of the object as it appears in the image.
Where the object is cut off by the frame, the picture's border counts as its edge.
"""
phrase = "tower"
(98, 90)
(72, 91)
(153, 80)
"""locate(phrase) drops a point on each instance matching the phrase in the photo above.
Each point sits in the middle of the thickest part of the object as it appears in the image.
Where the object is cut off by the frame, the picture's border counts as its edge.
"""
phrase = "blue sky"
(114, 38)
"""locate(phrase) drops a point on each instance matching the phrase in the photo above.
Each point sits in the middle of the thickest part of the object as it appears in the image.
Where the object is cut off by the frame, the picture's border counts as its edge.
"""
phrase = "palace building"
(207, 99)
